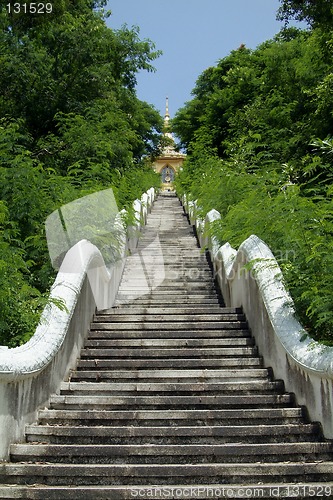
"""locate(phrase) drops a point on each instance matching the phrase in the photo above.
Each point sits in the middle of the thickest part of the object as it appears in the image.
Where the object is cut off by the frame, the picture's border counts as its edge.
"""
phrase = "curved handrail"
(266, 271)
(251, 278)
(33, 356)
(82, 260)
(279, 305)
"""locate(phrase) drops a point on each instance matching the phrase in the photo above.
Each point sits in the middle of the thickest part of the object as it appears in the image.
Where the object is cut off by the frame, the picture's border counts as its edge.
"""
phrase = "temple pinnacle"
(167, 116)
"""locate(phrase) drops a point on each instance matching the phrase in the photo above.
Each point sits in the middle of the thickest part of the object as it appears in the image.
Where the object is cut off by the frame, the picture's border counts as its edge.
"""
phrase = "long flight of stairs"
(170, 398)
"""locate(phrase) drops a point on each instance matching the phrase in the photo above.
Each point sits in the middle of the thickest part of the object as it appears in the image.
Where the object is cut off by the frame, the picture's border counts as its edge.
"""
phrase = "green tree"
(313, 12)
(70, 124)
(258, 134)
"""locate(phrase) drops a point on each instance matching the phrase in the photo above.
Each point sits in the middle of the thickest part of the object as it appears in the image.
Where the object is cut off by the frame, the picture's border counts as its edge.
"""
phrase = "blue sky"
(193, 35)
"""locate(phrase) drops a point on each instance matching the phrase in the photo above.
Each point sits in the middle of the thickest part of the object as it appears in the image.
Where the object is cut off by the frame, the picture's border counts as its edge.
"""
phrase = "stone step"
(172, 252)
(171, 274)
(195, 284)
(175, 277)
(186, 241)
(164, 474)
(180, 300)
(142, 301)
(181, 363)
(166, 267)
(184, 287)
(145, 264)
(181, 234)
(181, 401)
(171, 296)
(175, 417)
(165, 342)
(147, 311)
(165, 435)
(167, 383)
(167, 334)
(232, 453)
(154, 241)
(173, 292)
(165, 240)
(107, 376)
(194, 376)
(170, 325)
(180, 491)
(215, 374)
(176, 234)
(176, 317)
(153, 285)
(162, 299)
(154, 261)
(166, 353)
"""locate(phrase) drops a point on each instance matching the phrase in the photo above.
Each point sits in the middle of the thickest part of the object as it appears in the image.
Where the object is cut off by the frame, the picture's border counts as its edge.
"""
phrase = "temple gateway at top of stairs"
(170, 161)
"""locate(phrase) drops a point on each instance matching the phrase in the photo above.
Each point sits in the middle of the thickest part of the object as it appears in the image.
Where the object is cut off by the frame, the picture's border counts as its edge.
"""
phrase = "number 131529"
(29, 8)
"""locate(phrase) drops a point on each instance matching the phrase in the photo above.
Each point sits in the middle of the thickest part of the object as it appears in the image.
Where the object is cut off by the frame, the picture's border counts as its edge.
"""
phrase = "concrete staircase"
(170, 398)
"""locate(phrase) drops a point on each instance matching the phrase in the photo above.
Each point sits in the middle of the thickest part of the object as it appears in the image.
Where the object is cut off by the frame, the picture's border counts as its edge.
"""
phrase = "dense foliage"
(258, 133)
(314, 12)
(70, 124)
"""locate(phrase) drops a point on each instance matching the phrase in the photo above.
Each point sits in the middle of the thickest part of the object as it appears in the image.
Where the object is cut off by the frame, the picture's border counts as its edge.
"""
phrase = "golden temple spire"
(167, 115)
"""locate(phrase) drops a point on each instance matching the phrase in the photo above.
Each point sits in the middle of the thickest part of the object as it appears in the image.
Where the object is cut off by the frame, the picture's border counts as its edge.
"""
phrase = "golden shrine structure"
(170, 161)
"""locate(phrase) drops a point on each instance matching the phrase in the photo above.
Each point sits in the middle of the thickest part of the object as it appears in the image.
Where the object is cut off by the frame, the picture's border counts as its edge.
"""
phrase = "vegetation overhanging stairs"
(170, 398)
